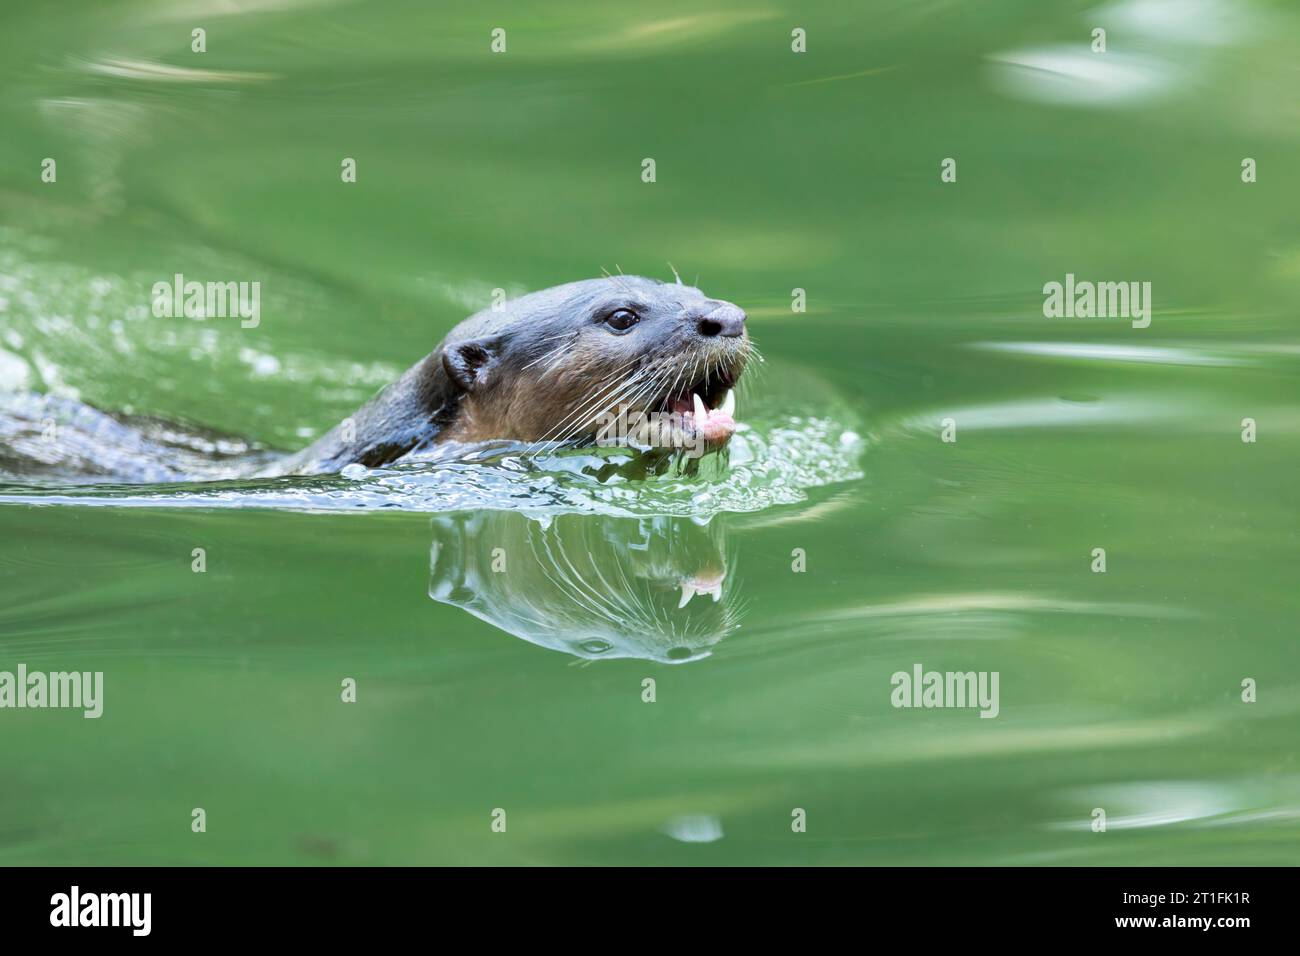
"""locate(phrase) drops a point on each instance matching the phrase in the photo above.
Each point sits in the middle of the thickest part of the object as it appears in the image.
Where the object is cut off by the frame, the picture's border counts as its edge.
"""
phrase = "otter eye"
(620, 320)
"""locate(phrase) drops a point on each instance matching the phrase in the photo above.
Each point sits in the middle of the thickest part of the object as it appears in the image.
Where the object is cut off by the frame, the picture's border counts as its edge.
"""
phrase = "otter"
(548, 369)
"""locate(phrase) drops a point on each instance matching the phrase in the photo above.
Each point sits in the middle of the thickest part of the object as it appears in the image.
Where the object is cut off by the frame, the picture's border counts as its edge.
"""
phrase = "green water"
(522, 689)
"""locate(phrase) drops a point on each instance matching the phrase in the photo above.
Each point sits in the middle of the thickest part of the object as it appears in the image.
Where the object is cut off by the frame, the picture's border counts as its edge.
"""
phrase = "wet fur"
(540, 370)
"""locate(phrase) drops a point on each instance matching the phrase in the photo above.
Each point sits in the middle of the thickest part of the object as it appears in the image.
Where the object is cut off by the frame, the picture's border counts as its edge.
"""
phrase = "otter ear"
(468, 363)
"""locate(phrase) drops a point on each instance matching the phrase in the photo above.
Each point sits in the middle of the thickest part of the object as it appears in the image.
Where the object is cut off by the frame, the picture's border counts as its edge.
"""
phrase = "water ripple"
(768, 466)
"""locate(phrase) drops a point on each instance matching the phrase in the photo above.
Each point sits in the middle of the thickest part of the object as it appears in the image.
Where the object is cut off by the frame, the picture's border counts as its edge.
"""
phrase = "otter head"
(560, 365)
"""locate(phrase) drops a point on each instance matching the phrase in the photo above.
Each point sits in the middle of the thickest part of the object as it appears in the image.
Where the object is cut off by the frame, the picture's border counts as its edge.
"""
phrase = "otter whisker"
(647, 387)
(559, 358)
(558, 350)
(605, 400)
(653, 389)
(576, 419)
(695, 368)
(637, 392)
(600, 390)
(752, 377)
(573, 422)
(614, 280)
(673, 387)
(661, 382)
(655, 378)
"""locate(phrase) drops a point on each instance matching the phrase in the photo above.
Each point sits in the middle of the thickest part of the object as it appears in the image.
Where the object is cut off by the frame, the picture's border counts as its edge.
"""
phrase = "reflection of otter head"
(592, 586)
(548, 365)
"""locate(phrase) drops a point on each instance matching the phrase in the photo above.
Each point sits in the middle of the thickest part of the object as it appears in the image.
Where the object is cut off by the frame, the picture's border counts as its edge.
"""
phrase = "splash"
(764, 466)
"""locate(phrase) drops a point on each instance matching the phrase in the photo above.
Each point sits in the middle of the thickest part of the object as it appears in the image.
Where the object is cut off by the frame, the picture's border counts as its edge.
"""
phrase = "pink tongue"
(717, 426)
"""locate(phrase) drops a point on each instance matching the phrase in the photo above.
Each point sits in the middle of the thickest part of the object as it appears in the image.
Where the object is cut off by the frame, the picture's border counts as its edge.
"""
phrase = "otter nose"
(726, 319)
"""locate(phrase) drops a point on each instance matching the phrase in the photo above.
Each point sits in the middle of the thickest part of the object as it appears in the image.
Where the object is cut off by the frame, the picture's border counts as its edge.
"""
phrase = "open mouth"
(708, 406)
(709, 583)
(695, 418)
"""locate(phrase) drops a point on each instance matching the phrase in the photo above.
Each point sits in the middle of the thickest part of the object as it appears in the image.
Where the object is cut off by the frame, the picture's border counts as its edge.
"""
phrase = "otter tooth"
(729, 403)
(688, 592)
(701, 412)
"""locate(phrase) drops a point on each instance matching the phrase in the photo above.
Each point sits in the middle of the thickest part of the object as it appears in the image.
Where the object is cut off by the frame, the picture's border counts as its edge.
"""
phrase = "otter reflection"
(590, 585)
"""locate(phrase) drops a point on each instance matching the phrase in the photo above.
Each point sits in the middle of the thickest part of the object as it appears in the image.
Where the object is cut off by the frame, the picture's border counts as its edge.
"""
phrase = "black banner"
(330, 906)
